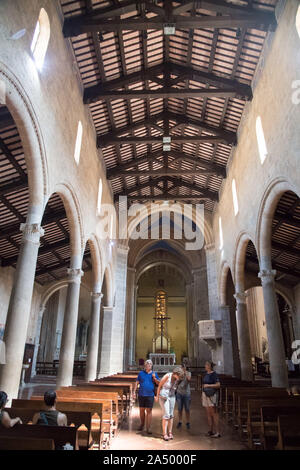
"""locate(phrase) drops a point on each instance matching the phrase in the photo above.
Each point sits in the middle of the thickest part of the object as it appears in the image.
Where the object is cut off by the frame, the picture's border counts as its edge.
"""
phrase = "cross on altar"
(161, 319)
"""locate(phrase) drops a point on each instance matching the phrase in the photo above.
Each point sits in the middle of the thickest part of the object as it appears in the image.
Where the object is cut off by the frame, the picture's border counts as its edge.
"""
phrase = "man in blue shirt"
(147, 380)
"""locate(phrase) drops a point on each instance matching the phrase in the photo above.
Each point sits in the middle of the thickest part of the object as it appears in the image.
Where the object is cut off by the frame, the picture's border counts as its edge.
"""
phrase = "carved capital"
(209, 247)
(75, 274)
(240, 297)
(32, 233)
(267, 276)
(96, 295)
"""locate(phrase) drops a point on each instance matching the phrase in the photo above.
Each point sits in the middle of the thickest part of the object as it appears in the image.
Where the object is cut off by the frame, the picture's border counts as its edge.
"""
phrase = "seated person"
(50, 416)
(5, 419)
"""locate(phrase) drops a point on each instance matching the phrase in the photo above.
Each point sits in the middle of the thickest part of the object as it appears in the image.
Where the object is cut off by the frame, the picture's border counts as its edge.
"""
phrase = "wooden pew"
(231, 403)
(71, 407)
(269, 412)
(240, 403)
(15, 443)
(75, 418)
(288, 432)
(124, 401)
(109, 420)
(110, 400)
(125, 388)
(61, 435)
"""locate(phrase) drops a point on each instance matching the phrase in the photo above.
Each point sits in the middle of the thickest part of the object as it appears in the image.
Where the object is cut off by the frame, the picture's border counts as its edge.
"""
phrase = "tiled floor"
(129, 438)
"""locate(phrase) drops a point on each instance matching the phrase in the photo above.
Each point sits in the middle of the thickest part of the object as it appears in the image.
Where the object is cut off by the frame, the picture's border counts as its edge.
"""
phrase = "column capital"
(32, 233)
(75, 274)
(267, 276)
(240, 297)
(209, 247)
(202, 269)
(96, 295)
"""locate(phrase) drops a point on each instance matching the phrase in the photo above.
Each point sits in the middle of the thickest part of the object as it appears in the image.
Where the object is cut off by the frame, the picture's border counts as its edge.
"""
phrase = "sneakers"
(149, 431)
(217, 434)
(141, 427)
(209, 434)
(179, 425)
(171, 435)
(166, 437)
(188, 426)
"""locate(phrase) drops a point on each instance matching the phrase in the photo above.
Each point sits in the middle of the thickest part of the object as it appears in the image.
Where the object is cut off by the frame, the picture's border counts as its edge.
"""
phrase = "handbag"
(210, 392)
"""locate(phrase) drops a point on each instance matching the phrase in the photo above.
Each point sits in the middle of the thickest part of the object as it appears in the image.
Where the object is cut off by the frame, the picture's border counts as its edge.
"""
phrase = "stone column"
(19, 309)
(68, 342)
(130, 318)
(93, 341)
(278, 366)
(228, 359)
(189, 316)
(243, 336)
(37, 340)
(106, 343)
(200, 312)
(212, 282)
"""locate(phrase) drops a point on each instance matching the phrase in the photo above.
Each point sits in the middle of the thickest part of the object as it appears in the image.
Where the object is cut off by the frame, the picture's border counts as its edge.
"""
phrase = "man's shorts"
(146, 402)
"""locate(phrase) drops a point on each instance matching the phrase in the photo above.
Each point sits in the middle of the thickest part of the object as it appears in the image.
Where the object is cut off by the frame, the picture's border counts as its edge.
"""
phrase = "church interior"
(150, 210)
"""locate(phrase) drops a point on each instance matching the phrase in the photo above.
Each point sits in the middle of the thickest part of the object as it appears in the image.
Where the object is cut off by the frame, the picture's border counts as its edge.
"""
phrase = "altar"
(163, 362)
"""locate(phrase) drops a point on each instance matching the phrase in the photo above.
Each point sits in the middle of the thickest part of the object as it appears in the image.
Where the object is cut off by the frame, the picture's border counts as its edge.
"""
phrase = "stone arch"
(72, 208)
(50, 290)
(239, 260)
(222, 282)
(22, 111)
(96, 262)
(109, 285)
(146, 266)
(267, 209)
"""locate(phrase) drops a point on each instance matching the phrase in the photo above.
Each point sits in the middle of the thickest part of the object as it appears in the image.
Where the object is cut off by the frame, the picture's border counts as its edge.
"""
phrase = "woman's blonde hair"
(178, 370)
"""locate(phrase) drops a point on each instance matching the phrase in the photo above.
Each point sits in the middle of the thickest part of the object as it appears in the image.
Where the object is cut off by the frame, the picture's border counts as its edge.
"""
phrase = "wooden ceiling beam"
(154, 140)
(166, 93)
(77, 25)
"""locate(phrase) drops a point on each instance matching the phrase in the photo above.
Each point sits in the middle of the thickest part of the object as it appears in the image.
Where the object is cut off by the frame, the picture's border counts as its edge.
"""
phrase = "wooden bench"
(14, 443)
(232, 393)
(61, 435)
(123, 395)
(125, 388)
(68, 407)
(74, 418)
(240, 404)
(288, 432)
(110, 400)
(269, 412)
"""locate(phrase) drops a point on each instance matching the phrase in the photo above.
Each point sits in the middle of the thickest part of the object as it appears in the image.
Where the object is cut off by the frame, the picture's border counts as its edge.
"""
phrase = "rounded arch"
(72, 208)
(222, 282)
(22, 111)
(51, 289)
(109, 285)
(138, 251)
(96, 262)
(157, 208)
(267, 209)
(146, 266)
(239, 260)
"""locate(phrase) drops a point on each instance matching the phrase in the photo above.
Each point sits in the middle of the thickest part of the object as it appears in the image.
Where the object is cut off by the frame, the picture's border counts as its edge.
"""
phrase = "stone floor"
(129, 438)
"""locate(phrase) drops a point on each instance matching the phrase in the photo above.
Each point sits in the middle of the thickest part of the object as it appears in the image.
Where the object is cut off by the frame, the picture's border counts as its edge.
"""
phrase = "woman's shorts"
(209, 401)
(146, 402)
(167, 406)
(183, 401)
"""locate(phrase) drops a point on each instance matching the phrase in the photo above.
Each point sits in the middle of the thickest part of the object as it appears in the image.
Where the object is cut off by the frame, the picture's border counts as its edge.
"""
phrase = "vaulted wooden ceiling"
(190, 88)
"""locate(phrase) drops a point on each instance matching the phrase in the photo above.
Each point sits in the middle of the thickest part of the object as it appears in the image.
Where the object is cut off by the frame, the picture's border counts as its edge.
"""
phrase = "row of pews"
(264, 417)
(95, 411)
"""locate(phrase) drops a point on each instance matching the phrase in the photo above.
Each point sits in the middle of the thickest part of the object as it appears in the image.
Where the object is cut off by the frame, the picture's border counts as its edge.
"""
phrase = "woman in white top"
(166, 396)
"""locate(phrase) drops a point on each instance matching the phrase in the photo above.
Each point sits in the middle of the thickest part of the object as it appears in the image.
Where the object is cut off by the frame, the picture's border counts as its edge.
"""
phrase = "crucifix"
(161, 319)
